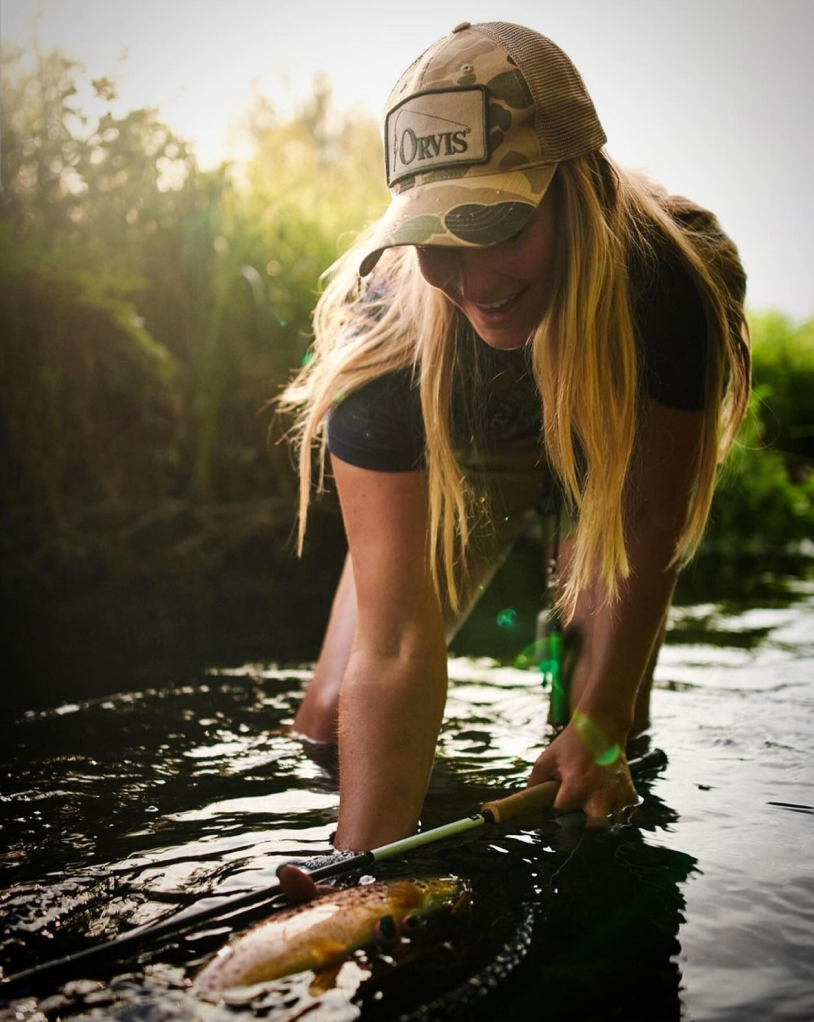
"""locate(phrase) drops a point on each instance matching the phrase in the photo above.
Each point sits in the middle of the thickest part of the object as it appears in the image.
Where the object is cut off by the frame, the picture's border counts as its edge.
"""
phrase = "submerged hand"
(299, 887)
(593, 777)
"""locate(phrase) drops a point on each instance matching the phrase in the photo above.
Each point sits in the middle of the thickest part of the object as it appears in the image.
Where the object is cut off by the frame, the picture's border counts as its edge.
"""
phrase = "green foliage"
(766, 495)
(784, 379)
(87, 414)
(150, 309)
(39, 149)
(270, 239)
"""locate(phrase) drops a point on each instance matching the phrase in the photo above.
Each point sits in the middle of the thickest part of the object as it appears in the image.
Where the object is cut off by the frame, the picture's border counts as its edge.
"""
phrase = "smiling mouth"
(502, 305)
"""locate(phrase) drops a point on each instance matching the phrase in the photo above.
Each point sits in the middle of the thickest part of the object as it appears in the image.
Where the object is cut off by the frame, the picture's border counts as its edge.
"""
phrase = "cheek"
(434, 268)
(427, 266)
(531, 266)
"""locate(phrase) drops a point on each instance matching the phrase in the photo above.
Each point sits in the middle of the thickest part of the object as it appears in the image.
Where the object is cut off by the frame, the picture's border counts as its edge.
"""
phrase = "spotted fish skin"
(321, 933)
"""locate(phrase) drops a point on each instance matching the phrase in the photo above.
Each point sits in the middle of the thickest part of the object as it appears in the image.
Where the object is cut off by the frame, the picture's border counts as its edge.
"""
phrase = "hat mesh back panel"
(566, 121)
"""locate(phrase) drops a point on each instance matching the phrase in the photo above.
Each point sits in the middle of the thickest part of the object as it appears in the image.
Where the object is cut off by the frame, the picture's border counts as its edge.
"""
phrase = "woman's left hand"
(592, 772)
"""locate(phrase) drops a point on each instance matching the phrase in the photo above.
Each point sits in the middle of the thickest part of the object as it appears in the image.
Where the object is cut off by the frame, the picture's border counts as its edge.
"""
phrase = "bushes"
(87, 397)
(765, 498)
(150, 311)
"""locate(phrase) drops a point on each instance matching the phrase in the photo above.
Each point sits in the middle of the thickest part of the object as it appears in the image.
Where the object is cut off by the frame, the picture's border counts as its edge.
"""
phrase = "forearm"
(318, 713)
(389, 717)
(618, 639)
(615, 641)
(614, 644)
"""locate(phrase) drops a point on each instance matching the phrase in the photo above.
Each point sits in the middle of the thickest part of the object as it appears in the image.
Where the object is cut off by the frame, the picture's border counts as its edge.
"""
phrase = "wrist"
(603, 724)
(603, 744)
(608, 703)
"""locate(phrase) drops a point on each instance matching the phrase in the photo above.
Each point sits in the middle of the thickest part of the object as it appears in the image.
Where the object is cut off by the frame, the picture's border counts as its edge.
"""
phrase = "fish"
(320, 934)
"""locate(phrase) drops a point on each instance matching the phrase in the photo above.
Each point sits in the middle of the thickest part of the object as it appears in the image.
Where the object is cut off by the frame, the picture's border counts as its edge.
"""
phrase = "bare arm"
(618, 640)
(394, 687)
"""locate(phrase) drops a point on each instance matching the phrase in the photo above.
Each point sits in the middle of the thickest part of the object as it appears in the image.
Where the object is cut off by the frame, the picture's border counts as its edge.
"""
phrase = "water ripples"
(127, 809)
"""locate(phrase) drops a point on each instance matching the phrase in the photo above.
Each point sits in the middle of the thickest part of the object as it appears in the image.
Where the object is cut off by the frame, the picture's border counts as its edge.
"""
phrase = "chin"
(502, 342)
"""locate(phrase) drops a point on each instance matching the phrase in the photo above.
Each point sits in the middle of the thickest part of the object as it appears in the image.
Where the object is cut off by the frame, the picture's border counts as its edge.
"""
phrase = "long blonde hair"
(584, 357)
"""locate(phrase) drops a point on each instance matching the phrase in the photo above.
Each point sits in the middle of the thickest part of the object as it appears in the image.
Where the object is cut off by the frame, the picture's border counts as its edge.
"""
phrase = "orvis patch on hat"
(436, 128)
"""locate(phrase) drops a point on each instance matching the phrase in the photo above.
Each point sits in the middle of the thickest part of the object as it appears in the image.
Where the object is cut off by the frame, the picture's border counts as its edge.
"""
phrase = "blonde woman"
(527, 315)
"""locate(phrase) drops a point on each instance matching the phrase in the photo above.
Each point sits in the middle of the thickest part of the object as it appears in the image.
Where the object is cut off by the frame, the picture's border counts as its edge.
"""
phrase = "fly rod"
(537, 798)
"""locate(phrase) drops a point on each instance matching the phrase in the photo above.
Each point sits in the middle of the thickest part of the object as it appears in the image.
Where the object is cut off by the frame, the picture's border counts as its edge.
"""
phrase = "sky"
(714, 98)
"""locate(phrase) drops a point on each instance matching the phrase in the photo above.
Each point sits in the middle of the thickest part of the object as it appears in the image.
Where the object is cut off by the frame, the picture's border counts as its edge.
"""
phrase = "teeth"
(500, 304)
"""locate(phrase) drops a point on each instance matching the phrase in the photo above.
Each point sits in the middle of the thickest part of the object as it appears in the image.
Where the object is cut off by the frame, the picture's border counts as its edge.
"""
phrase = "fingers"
(603, 791)
(613, 794)
(544, 769)
(580, 794)
(612, 804)
(590, 780)
(298, 886)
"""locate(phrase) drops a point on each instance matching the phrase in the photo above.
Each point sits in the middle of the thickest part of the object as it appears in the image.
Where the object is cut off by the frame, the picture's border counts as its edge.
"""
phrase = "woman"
(526, 314)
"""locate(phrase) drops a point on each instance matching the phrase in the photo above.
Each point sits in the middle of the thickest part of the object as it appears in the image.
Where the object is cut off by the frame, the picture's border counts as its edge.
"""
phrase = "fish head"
(416, 903)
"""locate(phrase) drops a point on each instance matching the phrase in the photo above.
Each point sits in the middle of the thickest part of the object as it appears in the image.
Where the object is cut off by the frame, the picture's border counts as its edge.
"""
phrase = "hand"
(299, 887)
(599, 789)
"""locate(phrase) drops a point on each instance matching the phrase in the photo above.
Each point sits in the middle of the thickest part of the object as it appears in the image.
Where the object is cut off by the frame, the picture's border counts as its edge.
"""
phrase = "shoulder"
(671, 327)
(379, 425)
(376, 423)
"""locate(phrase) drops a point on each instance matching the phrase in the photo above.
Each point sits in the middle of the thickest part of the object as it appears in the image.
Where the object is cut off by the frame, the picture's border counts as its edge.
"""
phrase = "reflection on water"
(125, 809)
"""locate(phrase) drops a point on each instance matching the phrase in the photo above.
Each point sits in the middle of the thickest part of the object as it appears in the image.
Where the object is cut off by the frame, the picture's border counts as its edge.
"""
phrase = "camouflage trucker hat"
(473, 133)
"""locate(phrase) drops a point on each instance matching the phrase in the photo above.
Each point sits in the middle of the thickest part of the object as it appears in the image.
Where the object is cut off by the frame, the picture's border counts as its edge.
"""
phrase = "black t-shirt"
(380, 425)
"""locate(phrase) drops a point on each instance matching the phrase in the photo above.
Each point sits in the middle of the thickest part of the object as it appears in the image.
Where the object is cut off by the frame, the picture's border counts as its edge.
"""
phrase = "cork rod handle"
(529, 800)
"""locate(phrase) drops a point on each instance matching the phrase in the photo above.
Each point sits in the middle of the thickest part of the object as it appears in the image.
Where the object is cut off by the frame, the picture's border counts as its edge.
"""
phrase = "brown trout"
(321, 933)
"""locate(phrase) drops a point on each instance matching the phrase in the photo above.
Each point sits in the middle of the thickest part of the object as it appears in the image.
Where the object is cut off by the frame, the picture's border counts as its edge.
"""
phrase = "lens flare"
(532, 656)
(507, 618)
(603, 751)
(545, 655)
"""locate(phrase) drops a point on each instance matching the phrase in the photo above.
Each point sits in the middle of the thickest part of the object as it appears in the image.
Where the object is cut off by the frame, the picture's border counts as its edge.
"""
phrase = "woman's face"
(503, 290)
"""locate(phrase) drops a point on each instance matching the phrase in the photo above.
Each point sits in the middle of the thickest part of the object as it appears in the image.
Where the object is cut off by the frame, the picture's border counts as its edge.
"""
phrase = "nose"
(470, 273)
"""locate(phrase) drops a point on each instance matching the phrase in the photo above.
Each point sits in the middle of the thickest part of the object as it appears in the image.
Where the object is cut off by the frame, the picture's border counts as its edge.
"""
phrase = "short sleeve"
(379, 426)
(671, 330)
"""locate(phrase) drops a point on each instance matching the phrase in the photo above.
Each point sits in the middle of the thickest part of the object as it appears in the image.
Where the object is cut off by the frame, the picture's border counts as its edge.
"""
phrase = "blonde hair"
(584, 356)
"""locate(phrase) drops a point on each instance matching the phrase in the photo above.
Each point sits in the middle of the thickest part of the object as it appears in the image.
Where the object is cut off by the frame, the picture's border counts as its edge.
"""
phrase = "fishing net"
(470, 992)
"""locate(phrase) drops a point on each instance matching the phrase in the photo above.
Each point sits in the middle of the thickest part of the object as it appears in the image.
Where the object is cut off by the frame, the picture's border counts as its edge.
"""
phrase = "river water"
(124, 809)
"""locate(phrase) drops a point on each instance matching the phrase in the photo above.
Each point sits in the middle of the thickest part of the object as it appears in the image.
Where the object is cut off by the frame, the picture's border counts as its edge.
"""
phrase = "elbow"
(414, 643)
(655, 539)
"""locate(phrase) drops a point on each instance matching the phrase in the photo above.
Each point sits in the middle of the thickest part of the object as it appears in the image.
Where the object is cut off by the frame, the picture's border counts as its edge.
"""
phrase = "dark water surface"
(121, 810)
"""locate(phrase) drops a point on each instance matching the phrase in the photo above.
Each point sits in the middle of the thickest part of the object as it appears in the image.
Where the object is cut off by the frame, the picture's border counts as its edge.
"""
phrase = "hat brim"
(472, 211)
